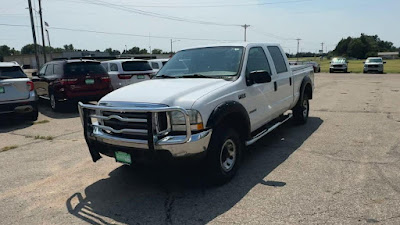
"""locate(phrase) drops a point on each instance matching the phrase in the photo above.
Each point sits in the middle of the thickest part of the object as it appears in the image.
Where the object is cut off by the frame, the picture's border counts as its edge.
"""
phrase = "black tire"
(319, 70)
(224, 154)
(345, 71)
(32, 116)
(330, 71)
(54, 103)
(301, 110)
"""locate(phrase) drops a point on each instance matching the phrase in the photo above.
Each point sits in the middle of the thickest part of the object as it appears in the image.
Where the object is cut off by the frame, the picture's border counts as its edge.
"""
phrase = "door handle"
(275, 86)
(290, 81)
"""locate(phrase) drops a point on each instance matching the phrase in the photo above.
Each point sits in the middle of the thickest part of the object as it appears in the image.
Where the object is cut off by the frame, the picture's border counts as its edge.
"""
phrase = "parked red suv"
(71, 80)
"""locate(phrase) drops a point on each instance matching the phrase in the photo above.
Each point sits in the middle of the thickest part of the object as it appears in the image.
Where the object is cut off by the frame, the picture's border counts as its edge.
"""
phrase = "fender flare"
(231, 107)
(306, 80)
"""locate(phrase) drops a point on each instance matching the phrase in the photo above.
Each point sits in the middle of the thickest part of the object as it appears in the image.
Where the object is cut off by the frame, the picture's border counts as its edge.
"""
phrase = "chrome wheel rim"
(52, 101)
(305, 108)
(228, 155)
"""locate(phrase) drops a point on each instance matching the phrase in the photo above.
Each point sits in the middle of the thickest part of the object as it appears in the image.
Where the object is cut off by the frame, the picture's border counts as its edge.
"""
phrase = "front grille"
(336, 66)
(373, 66)
(136, 125)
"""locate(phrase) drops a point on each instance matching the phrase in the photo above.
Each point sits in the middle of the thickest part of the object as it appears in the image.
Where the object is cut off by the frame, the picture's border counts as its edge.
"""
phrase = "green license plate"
(2, 90)
(89, 81)
(140, 77)
(123, 157)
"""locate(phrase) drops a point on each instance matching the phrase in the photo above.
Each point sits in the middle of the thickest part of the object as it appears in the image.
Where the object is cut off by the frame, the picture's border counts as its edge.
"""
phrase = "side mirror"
(260, 76)
(384, 62)
(364, 62)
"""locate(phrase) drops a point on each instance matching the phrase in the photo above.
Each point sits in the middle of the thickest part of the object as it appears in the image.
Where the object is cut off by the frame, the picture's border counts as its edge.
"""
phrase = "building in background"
(389, 55)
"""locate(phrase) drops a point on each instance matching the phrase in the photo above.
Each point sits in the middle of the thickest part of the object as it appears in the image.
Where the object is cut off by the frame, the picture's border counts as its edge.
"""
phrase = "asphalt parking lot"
(342, 167)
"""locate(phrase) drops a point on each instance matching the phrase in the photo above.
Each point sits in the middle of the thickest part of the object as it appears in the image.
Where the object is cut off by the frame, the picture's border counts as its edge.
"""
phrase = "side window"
(257, 60)
(113, 67)
(42, 70)
(278, 59)
(58, 69)
(155, 65)
(49, 70)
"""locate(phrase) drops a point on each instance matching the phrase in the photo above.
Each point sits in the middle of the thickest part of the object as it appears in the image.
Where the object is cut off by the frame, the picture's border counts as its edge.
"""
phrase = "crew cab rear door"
(282, 80)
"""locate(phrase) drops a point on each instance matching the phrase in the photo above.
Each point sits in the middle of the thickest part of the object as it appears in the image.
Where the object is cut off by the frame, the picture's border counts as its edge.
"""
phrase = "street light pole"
(171, 45)
(41, 26)
(33, 33)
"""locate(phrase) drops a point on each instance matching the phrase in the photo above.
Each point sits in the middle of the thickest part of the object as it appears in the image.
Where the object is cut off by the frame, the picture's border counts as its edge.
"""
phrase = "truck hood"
(172, 92)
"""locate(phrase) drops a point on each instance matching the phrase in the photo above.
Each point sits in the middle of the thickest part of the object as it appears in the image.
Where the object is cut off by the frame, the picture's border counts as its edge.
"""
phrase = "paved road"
(342, 167)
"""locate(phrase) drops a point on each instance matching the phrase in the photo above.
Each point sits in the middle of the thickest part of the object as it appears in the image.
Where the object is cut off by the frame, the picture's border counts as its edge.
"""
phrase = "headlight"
(178, 120)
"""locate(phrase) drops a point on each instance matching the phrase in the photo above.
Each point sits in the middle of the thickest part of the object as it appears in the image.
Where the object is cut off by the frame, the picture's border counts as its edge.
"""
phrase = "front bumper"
(100, 137)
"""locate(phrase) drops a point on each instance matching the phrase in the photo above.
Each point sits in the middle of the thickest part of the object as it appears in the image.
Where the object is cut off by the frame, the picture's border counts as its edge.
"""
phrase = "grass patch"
(355, 66)
(41, 122)
(8, 148)
(49, 138)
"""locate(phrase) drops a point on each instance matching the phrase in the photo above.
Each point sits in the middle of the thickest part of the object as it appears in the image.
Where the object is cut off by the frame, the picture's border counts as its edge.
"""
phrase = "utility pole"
(33, 33)
(48, 39)
(41, 26)
(245, 31)
(322, 47)
(171, 45)
(298, 44)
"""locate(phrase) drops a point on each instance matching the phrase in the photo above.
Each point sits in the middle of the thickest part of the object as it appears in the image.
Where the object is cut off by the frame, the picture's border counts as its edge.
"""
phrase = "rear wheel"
(301, 110)
(32, 116)
(55, 105)
(224, 154)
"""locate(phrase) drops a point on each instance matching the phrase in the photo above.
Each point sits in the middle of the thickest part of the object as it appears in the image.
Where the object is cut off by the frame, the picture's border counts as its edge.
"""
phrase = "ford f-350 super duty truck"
(209, 101)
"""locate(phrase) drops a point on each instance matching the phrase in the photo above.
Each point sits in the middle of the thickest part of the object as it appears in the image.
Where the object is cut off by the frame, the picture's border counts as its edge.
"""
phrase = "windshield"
(211, 62)
(136, 66)
(374, 60)
(11, 72)
(84, 68)
(338, 60)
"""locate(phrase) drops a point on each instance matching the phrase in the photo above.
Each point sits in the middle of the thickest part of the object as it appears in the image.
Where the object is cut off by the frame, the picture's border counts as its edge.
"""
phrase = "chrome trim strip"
(134, 131)
(119, 118)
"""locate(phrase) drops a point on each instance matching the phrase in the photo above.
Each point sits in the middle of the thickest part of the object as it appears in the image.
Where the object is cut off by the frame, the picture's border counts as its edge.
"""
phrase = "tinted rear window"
(136, 66)
(83, 68)
(11, 72)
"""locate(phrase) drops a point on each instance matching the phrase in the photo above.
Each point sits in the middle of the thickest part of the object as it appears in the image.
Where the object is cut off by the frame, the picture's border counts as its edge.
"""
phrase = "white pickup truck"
(209, 102)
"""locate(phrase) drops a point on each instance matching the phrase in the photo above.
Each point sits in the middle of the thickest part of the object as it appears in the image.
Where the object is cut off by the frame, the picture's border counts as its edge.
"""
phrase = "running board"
(266, 131)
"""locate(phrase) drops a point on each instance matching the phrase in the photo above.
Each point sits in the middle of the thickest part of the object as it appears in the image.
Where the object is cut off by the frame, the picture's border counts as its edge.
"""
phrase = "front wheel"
(301, 110)
(224, 154)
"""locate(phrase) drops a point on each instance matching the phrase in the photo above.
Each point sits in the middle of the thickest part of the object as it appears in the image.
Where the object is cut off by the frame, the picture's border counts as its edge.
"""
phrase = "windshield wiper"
(165, 76)
(196, 75)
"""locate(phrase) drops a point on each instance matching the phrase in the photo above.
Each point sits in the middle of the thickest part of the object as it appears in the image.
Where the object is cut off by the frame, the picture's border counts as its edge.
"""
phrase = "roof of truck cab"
(234, 44)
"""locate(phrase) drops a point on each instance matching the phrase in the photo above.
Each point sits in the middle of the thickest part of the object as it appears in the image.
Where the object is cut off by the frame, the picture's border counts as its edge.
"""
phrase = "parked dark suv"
(71, 80)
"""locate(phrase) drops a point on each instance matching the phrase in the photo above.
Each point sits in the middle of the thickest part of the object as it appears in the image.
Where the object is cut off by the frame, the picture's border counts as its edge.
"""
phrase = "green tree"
(156, 51)
(112, 52)
(4, 51)
(69, 47)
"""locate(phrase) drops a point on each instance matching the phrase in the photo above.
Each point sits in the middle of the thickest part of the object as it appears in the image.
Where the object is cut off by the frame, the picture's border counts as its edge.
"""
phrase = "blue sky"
(314, 21)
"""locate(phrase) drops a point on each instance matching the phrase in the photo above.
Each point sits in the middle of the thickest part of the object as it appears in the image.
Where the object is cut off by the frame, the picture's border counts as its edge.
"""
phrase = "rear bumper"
(174, 146)
(82, 96)
(20, 107)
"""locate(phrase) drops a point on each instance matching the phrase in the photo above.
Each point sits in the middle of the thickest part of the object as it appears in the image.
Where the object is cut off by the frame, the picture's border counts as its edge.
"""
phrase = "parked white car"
(207, 102)
(123, 72)
(157, 64)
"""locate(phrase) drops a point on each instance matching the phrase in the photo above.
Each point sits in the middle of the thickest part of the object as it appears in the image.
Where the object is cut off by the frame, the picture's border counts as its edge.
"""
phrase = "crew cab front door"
(258, 100)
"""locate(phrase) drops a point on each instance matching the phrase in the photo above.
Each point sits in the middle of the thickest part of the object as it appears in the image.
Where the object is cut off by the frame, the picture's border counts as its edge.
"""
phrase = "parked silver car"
(17, 93)
(373, 64)
(338, 65)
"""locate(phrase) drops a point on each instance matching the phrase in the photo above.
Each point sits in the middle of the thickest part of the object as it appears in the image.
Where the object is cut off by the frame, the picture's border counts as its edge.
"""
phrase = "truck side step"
(268, 129)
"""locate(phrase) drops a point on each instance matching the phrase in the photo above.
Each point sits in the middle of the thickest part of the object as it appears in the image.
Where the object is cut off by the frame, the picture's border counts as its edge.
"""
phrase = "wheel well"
(308, 91)
(238, 122)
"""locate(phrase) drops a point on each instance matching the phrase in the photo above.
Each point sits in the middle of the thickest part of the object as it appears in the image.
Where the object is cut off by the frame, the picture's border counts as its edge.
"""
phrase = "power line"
(214, 5)
(121, 34)
(152, 14)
